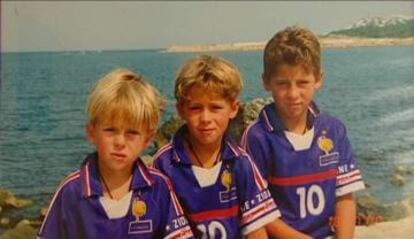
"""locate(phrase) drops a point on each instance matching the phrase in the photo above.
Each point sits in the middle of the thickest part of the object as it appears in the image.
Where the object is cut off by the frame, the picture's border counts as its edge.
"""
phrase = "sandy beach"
(326, 42)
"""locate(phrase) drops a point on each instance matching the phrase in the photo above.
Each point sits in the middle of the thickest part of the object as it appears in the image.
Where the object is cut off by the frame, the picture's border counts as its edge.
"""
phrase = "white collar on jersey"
(301, 141)
(207, 176)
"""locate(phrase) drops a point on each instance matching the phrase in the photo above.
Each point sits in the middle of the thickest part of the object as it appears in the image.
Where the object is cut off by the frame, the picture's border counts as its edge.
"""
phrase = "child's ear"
(235, 105)
(265, 82)
(179, 109)
(148, 138)
(90, 133)
(319, 81)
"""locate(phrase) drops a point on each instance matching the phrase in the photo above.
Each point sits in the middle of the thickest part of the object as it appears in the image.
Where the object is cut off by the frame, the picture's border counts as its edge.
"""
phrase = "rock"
(403, 170)
(5, 221)
(7, 199)
(398, 180)
(367, 205)
(167, 130)
(43, 212)
(248, 112)
(147, 159)
(23, 230)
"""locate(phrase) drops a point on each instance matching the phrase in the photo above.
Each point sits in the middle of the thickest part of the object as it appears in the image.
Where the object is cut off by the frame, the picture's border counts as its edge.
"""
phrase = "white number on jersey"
(209, 232)
(306, 202)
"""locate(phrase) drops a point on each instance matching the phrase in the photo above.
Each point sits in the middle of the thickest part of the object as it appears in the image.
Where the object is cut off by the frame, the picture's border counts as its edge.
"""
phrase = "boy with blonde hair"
(220, 188)
(114, 195)
(305, 154)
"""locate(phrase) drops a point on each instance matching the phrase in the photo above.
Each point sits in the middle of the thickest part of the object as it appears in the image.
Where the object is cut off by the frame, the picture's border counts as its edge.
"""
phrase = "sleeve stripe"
(260, 182)
(244, 137)
(87, 181)
(182, 233)
(173, 196)
(161, 151)
(267, 121)
(350, 174)
(67, 180)
(350, 188)
(258, 211)
(261, 222)
(144, 173)
(347, 180)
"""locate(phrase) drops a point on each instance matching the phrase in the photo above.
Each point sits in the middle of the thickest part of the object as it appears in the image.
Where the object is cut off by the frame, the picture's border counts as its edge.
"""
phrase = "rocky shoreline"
(333, 41)
(397, 217)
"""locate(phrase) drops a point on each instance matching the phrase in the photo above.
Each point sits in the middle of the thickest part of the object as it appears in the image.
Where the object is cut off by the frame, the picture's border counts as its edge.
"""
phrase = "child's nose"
(293, 91)
(119, 140)
(205, 116)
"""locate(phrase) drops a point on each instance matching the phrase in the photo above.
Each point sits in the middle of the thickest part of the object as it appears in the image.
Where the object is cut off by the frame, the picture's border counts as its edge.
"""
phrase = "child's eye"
(282, 83)
(195, 107)
(303, 83)
(133, 132)
(217, 107)
(109, 129)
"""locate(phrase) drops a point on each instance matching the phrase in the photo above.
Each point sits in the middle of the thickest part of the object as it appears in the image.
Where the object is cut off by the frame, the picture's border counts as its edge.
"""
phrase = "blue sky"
(45, 26)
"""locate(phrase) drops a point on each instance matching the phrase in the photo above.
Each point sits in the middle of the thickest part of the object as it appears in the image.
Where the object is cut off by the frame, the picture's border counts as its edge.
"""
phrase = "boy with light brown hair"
(220, 188)
(114, 195)
(305, 154)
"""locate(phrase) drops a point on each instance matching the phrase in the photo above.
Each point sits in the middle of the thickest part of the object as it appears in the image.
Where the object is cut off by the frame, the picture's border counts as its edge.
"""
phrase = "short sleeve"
(176, 224)
(349, 177)
(252, 143)
(257, 205)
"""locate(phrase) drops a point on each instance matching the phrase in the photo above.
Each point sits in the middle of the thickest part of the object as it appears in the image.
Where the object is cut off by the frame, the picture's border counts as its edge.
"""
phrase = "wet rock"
(7, 199)
(398, 180)
(23, 230)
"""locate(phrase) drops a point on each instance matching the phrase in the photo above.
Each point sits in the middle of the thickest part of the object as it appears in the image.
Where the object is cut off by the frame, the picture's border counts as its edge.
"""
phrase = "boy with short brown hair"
(305, 154)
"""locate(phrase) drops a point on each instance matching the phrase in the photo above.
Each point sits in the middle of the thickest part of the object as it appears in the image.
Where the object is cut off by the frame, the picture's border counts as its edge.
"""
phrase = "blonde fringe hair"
(214, 74)
(294, 45)
(124, 96)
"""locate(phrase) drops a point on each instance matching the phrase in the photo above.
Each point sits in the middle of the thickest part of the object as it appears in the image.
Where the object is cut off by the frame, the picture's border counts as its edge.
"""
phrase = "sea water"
(43, 98)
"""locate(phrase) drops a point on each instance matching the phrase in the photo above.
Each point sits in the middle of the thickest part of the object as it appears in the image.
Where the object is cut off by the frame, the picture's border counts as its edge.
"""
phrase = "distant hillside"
(380, 27)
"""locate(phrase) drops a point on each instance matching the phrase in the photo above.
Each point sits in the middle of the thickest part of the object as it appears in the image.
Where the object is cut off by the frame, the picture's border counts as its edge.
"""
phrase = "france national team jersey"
(305, 182)
(76, 212)
(237, 203)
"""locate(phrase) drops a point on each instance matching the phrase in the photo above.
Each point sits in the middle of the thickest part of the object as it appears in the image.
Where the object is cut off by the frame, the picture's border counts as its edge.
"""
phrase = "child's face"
(117, 144)
(292, 88)
(207, 115)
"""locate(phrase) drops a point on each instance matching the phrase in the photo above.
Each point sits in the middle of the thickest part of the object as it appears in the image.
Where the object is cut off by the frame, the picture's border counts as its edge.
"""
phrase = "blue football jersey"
(237, 203)
(76, 212)
(304, 183)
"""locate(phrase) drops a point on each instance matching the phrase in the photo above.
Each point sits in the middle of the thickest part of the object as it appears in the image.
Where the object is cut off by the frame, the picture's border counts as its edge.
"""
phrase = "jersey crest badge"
(139, 208)
(230, 193)
(326, 145)
(137, 226)
(226, 179)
